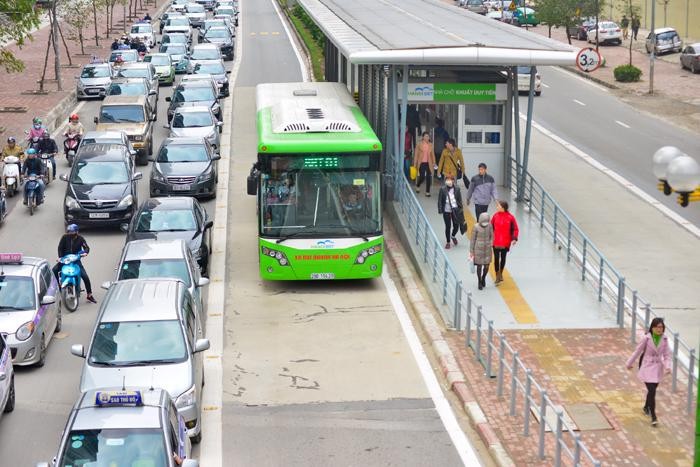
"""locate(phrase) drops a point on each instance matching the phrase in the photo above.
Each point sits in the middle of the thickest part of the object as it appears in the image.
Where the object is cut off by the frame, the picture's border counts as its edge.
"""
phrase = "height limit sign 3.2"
(588, 60)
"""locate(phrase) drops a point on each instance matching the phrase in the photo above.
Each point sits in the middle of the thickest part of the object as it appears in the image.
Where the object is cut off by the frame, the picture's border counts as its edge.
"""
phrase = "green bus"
(318, 184)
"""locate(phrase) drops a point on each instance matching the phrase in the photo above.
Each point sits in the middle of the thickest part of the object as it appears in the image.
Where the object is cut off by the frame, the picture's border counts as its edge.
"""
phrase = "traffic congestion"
(130, 180)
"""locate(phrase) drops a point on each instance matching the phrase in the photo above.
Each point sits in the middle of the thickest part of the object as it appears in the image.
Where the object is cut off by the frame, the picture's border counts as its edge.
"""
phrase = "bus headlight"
(366, 253)
(278, 255)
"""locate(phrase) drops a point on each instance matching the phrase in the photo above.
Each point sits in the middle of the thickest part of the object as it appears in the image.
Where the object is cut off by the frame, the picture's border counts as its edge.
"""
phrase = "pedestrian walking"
(654, 360)
(624, 24)
(480, 245)
(451, 161)
(407, 153)
(505, 236)
(450, 206)
(440, 137)
(424, 161)
(635, 26)
(483, 189)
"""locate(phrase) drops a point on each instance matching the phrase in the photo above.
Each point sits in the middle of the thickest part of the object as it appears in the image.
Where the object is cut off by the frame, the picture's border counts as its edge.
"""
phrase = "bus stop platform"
(574, 348)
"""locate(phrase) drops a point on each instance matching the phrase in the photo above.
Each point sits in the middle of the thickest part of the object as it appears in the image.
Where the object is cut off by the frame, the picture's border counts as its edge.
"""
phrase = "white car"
(608, 33)
(524, 80)
(7, 379)
(143, 32)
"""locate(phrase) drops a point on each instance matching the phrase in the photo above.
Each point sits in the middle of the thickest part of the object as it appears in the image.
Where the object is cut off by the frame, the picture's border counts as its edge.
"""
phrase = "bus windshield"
(320, 196)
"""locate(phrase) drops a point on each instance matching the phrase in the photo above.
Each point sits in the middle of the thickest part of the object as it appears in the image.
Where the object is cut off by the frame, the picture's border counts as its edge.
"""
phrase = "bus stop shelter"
(418, 64)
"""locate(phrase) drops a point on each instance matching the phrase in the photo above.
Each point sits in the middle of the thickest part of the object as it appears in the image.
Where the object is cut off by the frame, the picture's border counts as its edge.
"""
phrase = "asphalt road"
(612, 132)
(45, 395)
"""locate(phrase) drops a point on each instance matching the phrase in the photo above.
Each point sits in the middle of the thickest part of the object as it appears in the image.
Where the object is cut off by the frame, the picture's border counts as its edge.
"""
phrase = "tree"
(17, 19)
(73, 13)
(566, 13)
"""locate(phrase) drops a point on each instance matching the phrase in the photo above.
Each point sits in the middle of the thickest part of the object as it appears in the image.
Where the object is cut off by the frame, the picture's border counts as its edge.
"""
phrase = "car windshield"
(126, 55)
(157, 60)
(320, 195)
(205, 53)
(141, 29)
(122, 114)
(667, 36)
(173, 49)
(127, 89)
(17, 293)
(138, 343)
(192, 120)
(91, 173)
(178, 21)
(214, 23)
(608, 25)
(106, 447)
(194, 8)
(140, 72)
(166, 220)
(175, 39)
(216, 33)
(194, 94)
(183, 153)
(212, 68)
(95, 72)
(224, 11)
(149, 268)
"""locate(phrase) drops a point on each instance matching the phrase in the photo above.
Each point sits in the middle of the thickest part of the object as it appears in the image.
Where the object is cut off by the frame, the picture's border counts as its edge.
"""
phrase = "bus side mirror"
(252, 184)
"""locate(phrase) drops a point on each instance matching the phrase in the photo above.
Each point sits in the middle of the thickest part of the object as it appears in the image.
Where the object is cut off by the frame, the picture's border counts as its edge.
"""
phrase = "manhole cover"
(588, 417)
(551, 417)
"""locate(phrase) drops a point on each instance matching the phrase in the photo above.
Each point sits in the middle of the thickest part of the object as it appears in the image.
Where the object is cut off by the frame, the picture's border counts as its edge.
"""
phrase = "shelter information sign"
(457, 92)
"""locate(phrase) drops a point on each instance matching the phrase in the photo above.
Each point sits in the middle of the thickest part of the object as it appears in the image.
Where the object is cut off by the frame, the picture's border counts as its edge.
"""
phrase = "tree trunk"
(80, 39)
(94, 17)
(109, 20)
(65, 46)
(549, 31)
(56, 51)
(46, 61)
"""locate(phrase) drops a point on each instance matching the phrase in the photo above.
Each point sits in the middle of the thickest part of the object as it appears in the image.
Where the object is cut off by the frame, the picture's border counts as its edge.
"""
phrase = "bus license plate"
(322, 275)
(99, 215)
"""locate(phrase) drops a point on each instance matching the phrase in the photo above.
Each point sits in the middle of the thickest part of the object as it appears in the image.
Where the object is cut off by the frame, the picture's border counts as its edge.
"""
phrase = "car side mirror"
(133, 152)
(190, 463)
(220, 124)
(78, 350)
(208, 224)
(201, 345)
(106, 285)
(124, 227)
(63, 177)
(252, 182)
(228, 72)
(137, 176)
(202, 282)
(95, 120)
(216, 157)
(3, 376)
(152, 92)
(167, 99)
(48, 300)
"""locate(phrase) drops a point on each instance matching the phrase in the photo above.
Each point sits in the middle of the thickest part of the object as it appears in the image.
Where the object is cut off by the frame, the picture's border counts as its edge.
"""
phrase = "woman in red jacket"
(505, 235)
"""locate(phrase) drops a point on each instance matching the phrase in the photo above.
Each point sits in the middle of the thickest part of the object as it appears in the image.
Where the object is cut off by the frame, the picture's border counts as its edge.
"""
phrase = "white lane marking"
(545, 85)
(675, 217)
(442, 406)
(579, 102)
(622, 124)
(211, 447)
(302, 65)
(589, 82)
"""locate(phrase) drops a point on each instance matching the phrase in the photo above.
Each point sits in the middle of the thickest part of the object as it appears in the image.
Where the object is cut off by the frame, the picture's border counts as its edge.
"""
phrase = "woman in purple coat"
(653, 353)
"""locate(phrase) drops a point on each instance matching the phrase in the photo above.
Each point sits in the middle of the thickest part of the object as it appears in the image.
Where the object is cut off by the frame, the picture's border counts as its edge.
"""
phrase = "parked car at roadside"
(525, 16)
(663, 40)
(690, 57)
(475, 6)
(580, 29)
(608, 33)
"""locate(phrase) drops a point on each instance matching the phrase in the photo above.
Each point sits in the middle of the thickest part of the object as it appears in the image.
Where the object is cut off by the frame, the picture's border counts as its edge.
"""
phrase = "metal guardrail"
(457, 306)
(630, 308)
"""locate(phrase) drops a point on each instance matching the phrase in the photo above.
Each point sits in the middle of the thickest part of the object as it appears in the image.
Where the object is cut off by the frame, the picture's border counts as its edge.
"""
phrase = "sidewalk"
(53, 106)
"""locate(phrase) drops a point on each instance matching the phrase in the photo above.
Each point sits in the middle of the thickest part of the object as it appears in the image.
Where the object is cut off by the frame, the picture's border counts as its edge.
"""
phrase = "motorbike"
(69, 279)
(31, 189)
(10, 174)
(70, 147)
(46, 159)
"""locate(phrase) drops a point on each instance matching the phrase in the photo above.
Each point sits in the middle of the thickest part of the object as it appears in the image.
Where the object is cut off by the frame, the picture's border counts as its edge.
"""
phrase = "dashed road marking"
(545, 85)
(579, 102)
(622, 124)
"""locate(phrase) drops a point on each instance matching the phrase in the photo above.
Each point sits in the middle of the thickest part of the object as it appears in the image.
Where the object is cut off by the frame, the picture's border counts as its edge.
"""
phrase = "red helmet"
(74, 117)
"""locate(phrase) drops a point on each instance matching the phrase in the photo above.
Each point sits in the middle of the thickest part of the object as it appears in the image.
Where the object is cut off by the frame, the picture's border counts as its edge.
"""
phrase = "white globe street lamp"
(683, 175)
(660, 162)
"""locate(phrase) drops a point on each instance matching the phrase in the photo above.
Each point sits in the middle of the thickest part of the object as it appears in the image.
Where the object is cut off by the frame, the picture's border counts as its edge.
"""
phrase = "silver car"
(124, 426)
(29, 312)
(196, 14)
(94, 80)
(205, 52)
(141, 70)
(144, 259)
(216, 69)
(148, 334)
(196, 121)
(7, 379)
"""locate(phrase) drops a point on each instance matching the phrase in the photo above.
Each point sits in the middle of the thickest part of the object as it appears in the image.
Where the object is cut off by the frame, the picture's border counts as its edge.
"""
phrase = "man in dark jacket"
(115, 44)
(47, 145)
(34, 166)
(72, 243)
(483, 189)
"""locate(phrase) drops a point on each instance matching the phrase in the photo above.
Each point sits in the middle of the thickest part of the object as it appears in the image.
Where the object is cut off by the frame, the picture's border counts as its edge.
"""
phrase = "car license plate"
(182, 187)
(322, 275)
(92, 91)
(99, 215)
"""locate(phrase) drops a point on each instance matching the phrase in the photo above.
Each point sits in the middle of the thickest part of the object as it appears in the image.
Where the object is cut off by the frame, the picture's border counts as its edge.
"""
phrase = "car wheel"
(10, 404)
(197, 438)
(42, 353)
(538, 93)
(59, 318)
(692, 68)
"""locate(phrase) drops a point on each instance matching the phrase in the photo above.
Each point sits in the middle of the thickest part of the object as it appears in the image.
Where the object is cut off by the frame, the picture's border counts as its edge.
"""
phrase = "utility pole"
(653, 49)
(597, 11)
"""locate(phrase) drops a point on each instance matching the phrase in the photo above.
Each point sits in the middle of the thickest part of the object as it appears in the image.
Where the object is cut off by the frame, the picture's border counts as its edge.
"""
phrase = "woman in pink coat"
(653, 352)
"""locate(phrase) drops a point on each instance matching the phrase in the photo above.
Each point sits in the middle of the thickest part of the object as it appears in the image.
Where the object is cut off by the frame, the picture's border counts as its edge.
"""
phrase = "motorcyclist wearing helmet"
(73, 243)
(36, 131)
(141, 48)
(115, 44)
(34, 166)
(11, 149)
(47, 145)
(74, 126)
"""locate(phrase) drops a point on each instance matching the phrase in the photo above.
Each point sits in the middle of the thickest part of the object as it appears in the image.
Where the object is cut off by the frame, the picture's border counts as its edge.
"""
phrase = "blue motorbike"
(69, 278)
(31, 190)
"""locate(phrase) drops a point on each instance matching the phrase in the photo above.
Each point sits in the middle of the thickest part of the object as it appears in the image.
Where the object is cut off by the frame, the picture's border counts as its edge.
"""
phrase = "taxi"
(7, 379)
(124, 427)
(29, 313)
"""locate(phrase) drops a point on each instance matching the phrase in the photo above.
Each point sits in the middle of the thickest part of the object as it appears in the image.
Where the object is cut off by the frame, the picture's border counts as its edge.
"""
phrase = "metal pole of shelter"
(404, 109)
(528, 130)
(516, 125)
(393, 133)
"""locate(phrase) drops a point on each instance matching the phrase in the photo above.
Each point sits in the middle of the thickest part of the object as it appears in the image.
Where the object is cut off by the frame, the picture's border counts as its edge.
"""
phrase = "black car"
(201, 92)
(222, 37)
(177, 217)
(185, 166)
(102, 188)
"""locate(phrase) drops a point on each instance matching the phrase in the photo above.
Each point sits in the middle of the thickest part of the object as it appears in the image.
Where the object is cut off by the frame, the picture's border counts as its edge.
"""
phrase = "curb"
(448, 363)
(589, 77)
(299, 41)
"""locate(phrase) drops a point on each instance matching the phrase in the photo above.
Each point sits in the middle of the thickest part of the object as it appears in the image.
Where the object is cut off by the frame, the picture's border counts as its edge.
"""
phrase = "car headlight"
(367, 252)
(187, 398)
(71, 203)
(25, 331)
(206, 175)
(157, 176)
(80, 85)
(126, 201)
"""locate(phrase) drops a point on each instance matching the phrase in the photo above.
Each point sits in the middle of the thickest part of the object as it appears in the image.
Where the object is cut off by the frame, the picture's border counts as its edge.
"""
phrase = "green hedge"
(627, 73)
(315, 32)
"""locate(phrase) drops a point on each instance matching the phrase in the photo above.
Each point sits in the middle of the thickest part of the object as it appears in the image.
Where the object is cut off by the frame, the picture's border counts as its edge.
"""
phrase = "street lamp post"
(677, 171)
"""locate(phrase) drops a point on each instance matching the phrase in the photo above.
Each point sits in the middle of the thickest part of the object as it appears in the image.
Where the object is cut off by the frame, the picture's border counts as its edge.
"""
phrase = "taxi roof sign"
(10, 258)
(118, 398)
